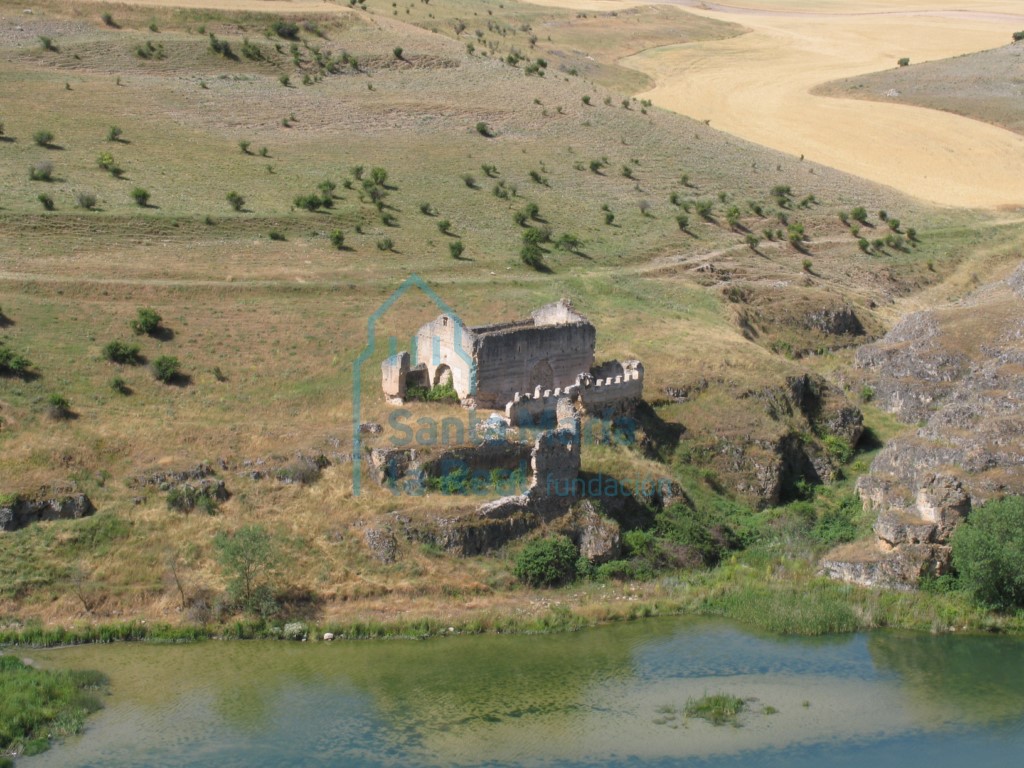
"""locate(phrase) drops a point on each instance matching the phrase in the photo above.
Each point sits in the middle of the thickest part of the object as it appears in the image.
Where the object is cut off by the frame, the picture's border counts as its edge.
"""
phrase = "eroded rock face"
(958, 371)
(19, 512)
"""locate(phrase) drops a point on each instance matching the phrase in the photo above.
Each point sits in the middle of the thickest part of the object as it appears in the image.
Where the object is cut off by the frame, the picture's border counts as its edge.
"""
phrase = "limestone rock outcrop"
(958, 373)
(17, 512)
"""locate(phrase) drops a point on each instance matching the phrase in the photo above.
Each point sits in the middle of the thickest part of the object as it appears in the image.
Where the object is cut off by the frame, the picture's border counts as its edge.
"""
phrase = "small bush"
(46, 200)
(47, 43)
(122, 352)
(288, 30)
(43, 138)
(140, 196)
(859, 214)
(444, 226)
(484, 130)
(277, 236)
(455, 248)
(146, 323)
(1018, 36)
(106, 162)
(547, 562)
(223, 47)
(120, 386)
(85, 200)
(397, 51)
(244, 146)
(109, 20)
(904, 62)
(166, 368)
(338, 239)
(308, 202)
(385, 244)
(235, 200)
(114, 133)
(13, 363)
(58, 407)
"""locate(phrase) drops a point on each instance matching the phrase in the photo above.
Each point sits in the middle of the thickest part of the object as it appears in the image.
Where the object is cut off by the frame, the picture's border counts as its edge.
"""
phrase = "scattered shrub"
(58, 407)
(147, 322)
(277, 236)
(109, 20)
(235, 200)
(903, 62)
(455, 248)
(338, 239)
(397, 51)
(43, 138)
(484, 130)
(308, 202)
(385, 244)
(244, 146)
(46, 200)
(547, 562)
(106, 162)
(287, 30)
(13, 363)
(140, 196)
(42, 171)
(166, 368)
(149, 50)
(120, 386)
(114, 133)
(47, 43)
(122, 352)
(223, 47)
(85, 200)
(1018, 36)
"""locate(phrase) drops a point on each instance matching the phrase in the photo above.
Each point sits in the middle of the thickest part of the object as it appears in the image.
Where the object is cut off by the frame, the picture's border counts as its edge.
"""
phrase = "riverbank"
(782, 598)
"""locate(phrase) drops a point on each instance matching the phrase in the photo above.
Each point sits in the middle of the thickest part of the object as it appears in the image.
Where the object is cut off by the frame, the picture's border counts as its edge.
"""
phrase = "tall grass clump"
(37, 705)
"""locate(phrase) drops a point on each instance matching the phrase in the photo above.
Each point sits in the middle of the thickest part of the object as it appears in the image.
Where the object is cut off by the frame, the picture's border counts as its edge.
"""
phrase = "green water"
(610, 696)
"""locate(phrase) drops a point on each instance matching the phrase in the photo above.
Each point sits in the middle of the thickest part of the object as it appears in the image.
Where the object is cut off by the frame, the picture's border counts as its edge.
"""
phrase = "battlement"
(620, 388)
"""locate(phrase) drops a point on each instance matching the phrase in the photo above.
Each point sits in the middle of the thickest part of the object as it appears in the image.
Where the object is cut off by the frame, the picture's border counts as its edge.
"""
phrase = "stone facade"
(487, 365)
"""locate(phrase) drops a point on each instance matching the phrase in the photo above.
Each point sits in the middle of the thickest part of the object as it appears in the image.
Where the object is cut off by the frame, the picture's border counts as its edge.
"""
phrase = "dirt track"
(757, 86)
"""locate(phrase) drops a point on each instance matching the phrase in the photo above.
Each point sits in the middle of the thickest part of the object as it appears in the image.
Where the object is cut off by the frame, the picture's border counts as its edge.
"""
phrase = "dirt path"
(757, 86)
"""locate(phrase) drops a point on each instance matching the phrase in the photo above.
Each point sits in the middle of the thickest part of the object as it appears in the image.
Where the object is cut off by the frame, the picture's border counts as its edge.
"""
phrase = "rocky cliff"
(958, 373)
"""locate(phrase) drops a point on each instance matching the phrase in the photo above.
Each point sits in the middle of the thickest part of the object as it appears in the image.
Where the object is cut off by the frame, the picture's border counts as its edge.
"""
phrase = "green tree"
(248, 558)
(147, 321)
(547, 562)
(988, 552)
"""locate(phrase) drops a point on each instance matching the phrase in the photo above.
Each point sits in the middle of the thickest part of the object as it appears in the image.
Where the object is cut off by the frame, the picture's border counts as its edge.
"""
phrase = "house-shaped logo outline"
(412, 281)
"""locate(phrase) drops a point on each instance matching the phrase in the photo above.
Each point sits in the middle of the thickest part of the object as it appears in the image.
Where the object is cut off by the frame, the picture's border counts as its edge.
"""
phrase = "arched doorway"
(541, 375)
(443, 376)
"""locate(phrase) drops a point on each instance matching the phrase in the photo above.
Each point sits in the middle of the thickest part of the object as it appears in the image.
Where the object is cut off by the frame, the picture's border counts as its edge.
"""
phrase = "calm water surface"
(610, 696)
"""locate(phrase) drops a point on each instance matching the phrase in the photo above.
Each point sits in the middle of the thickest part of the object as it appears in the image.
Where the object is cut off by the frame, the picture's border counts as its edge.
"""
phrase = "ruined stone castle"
(517, 364)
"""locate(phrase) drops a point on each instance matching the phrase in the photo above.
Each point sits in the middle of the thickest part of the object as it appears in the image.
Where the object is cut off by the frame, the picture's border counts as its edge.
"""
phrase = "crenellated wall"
(594, 396)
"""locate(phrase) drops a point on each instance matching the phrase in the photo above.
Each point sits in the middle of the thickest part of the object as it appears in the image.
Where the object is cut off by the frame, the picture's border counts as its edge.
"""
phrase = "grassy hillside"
(266, 314)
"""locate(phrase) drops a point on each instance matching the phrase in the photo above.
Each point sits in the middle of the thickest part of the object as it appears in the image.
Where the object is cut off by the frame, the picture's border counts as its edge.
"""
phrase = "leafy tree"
(547, 562)
(988, 552)
(248, 558)
(147, 321)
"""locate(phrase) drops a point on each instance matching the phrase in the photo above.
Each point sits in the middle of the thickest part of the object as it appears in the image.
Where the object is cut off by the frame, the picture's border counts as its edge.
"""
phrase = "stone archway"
(443, 376)
(541, 375)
